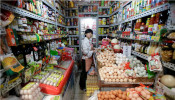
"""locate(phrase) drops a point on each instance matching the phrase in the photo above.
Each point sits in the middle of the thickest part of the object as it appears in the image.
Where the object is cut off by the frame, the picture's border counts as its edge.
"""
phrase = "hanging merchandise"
(6, 17)
(154, 63)
(11, 65)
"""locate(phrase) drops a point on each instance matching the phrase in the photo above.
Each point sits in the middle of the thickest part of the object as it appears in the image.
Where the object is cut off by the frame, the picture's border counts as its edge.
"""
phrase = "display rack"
(169, 65)
(141, 55)
(103, 25)
(103, 16)
(72, 26)
(48, 89)
(73, 35)
(26, 13)
(149, 12)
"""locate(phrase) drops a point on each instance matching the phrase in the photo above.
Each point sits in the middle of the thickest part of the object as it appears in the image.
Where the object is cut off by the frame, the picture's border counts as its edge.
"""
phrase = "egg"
(112, 96)
(121, 80)
(21, 92)
(29, 91)
(119, 95)
(130, 96)
(147, 92)
(26, 96)
(23, 97)
(106, 96)
(135, 95)
(139, 98)
(25, 92)
(143, 93)
(30, 96)
(133, 99)
(148, 96)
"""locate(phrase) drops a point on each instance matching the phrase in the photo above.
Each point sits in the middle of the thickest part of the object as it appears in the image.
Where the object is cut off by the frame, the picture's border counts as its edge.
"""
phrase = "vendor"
(87, 52)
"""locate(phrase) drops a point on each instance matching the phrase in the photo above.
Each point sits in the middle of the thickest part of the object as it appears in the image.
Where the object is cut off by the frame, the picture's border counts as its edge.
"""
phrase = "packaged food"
(11, 65)
(171, 35)
(6, 17)
(155, 63)
(166, 54)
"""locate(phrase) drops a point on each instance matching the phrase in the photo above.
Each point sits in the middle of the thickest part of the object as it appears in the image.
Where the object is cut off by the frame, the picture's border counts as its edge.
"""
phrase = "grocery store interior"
(87, 50)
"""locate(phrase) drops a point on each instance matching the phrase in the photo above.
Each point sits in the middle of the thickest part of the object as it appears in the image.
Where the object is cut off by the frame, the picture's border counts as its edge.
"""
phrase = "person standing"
(87, 53)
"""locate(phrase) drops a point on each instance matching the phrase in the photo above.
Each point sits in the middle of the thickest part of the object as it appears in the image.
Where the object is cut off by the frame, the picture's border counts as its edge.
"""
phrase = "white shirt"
(86, 48)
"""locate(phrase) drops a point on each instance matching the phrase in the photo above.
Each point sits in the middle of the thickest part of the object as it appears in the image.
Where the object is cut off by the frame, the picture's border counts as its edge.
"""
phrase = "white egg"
(26, 96)
(30, 97)
(25, 92)
(21, 91)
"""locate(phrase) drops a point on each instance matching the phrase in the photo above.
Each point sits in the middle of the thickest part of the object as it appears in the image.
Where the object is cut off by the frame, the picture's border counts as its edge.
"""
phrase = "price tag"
(125, 50)
(129, 51)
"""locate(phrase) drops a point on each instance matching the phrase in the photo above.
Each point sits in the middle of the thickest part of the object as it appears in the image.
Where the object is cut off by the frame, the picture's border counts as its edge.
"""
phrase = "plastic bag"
(94, 96)
(154, 63)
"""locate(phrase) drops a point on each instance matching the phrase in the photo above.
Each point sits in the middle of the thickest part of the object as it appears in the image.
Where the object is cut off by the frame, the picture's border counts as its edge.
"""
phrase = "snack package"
(11, 64)
(6, 17)
(155, 63)
(171, 35)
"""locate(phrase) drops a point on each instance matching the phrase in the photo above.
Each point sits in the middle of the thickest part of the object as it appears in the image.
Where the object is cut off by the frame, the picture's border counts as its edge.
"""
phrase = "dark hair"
(88, 31)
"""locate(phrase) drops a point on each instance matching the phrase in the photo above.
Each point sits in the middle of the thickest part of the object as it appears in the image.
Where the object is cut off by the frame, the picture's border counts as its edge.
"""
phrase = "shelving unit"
(141, 55)
(26, 13)
(169, 65)
(103, 25)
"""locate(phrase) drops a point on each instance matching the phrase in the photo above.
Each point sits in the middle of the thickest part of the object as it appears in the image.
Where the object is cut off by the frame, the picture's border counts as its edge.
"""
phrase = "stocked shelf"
(92, 13)
(119, 8)
(103, 16)
(58, 24)
(141, 55)
(72, 9)
(61, 4)
(73, 46)
(103, 26)
(141, 40)
(72, 17)
(102, 34)
(72, 26)
(104, 7)
(171, 27)
(26, 13)
(73, 35)
(169, 65)
(48, 4)
(149, 12)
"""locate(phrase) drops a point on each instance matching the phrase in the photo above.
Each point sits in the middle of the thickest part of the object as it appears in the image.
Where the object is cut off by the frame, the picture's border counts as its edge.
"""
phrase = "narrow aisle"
(79, 94)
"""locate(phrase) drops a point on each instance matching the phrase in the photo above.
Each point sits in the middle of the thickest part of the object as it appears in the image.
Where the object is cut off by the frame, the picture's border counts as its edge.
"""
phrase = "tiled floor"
(79, 94)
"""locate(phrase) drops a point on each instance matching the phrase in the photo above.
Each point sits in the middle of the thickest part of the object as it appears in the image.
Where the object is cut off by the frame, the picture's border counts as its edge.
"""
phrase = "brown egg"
(123, 96)
(112, 96)
(99, 95)
(119, 95)
(106, 96)
(127, 98)
(102, 97)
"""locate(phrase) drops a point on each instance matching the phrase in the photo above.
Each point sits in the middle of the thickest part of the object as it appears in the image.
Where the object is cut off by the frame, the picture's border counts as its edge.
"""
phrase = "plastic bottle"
(147, 24)
(156, 21)
(151, 24)
(148, 6)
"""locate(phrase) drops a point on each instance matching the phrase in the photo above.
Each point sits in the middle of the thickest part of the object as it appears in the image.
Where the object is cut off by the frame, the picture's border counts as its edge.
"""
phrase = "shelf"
(90, 4)
(103, 15)
(115, 12)
(58, 24)
(171, 27)
(103, 26)
(104, 7)
(120, 8)
(71, 8)
(48, 4)
(169, 65)
(115, 24)
(149, 12)
(141, 40)
(72, 26)
(72, 17)
(61, 4)
(88, 13)
(73, 35)
(141, 55)
(26, 13)
(102, 34)
(73, 46)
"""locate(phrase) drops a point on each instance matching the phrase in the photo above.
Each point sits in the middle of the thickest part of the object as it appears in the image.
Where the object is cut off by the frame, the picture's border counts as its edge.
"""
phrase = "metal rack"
(169, 65)
(72, 26)
(141, 55)
(103, 25)
(73, 35)
(103, 16)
